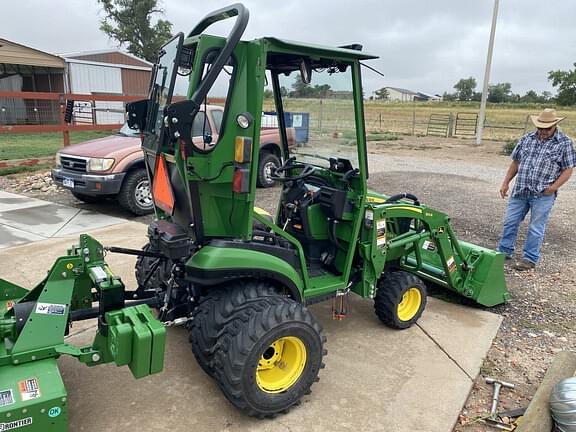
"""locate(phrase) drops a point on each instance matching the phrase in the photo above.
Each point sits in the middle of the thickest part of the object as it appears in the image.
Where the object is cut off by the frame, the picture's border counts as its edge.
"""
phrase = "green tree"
(566, 83)
(530, 97)
(499, 93)
(322, 91)
(382, 94)
(268, 94)
(129, 22)
(449, 97)
(465, 89)
(300, 88)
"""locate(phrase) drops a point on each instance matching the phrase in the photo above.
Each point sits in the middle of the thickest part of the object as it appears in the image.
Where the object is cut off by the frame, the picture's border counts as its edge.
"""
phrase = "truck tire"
(400, 299)
(266, 165)
(269, 358)
(135, 193)
(88, 199)
(215, 310)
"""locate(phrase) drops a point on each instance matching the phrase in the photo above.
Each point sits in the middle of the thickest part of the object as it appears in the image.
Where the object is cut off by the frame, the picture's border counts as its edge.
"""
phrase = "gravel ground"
(462, 180)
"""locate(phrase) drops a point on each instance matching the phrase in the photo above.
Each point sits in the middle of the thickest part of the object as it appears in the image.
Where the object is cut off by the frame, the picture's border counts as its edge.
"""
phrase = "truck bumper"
(88, 184)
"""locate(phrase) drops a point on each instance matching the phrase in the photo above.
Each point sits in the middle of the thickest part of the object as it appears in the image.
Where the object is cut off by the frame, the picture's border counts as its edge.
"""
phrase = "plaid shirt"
(541, 162)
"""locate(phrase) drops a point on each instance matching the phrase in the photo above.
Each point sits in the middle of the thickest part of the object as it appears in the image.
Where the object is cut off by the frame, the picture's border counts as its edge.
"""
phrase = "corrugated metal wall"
(135, 82)
(114, 58)
(87, 79)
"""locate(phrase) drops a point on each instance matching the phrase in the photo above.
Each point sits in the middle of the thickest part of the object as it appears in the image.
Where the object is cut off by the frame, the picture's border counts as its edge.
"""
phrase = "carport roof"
(14, 53)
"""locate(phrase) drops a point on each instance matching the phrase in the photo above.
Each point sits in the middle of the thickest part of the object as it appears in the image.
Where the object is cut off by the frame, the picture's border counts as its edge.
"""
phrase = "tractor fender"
(213, 265)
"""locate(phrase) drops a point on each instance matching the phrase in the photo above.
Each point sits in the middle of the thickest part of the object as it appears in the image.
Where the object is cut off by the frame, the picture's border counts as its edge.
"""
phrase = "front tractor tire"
(400, 299)
(270, 358)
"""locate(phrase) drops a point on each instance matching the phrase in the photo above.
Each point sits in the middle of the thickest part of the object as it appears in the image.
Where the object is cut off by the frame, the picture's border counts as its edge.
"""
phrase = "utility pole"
(482, 115)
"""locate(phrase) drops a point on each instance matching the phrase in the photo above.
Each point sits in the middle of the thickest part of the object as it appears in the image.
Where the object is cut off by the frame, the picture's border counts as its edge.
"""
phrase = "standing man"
(543, 161)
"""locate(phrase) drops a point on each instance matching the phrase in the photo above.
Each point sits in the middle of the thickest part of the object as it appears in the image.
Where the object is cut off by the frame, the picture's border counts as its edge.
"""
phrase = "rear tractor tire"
(269, 358)
(400, 299)
(215, 310)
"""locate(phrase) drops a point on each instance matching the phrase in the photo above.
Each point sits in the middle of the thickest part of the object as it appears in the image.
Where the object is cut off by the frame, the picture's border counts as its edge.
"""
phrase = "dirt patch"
(462, 180)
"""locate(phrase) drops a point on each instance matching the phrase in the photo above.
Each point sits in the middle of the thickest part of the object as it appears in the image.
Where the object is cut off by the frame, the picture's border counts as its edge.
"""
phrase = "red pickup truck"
(113, 167)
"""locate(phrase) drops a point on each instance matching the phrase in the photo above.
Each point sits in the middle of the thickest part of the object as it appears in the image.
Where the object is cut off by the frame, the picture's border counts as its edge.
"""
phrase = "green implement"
(33, 325)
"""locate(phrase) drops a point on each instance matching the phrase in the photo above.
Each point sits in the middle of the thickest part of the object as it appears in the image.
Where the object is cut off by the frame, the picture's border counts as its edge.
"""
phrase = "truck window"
(218, 93)
(201, 126)
(217, 116)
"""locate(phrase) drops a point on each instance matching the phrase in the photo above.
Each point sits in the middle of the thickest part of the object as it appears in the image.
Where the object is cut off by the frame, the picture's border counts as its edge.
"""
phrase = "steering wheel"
(307, 171)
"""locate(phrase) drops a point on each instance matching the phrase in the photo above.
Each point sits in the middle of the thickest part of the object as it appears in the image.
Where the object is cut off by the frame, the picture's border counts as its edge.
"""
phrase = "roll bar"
(236, 10)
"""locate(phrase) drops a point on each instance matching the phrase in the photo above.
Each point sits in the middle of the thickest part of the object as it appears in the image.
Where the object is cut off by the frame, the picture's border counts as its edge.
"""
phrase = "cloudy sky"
(423, 45)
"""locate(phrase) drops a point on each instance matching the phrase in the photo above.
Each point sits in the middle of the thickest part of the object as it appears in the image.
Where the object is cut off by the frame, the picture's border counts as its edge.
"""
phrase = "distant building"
(27, 69)
(405, 95)
(109, 72)
(400, 94)
(427, 97)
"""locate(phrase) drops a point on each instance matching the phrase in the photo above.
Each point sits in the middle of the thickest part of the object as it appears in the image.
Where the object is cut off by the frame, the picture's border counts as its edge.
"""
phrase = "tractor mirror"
(306, 71)
(136, 114)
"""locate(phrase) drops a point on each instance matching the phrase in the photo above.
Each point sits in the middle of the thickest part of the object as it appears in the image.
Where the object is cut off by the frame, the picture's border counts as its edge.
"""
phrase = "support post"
(487, 76)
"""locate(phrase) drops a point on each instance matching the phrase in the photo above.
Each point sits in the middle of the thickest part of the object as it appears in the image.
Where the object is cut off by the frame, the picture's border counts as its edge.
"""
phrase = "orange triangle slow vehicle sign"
(162, 190)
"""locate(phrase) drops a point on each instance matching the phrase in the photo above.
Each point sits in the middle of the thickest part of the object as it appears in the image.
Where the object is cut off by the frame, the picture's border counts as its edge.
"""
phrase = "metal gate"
(466, 124)
(439, 125)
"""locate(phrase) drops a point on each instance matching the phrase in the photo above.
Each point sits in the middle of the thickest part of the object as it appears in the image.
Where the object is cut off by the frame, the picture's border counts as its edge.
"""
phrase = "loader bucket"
(483, 282)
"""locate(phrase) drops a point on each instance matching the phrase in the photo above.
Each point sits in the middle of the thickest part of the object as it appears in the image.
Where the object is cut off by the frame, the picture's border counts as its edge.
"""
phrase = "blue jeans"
(518, 208)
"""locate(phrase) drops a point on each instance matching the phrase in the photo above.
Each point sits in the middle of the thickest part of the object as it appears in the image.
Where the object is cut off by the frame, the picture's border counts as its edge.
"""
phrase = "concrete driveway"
(24, 219)
(375, 378)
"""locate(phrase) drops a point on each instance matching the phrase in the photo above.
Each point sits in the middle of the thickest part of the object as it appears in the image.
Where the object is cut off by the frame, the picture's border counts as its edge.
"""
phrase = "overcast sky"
(423, 45)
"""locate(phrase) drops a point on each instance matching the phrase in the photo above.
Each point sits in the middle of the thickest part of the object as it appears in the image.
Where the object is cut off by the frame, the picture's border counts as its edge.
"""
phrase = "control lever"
(291, 207)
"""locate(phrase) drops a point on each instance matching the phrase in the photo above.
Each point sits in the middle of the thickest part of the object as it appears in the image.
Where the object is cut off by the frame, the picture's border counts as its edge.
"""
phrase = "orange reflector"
(162, 191)
(242, 149)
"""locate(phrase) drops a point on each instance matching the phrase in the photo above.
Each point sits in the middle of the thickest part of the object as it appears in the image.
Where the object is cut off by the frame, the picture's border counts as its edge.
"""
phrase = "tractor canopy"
(204, 180)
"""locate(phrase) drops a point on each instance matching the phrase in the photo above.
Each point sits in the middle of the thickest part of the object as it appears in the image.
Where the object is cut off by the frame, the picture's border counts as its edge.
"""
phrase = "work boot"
(524, 265)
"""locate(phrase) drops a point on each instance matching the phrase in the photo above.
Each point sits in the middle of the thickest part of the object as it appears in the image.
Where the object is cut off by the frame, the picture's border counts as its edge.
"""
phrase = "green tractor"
(241, 279)
(238, 278)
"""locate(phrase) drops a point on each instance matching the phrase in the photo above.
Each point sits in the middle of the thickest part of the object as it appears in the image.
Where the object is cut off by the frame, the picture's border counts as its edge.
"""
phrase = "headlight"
(99, 164)
(58, 161)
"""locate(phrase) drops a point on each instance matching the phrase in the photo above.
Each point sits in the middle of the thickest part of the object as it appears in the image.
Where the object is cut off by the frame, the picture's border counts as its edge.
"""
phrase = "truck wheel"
(135, 193)
(88, 199)
(160, 275)
(215, 310)
(400, 299)
(266, 166)
(270, 358)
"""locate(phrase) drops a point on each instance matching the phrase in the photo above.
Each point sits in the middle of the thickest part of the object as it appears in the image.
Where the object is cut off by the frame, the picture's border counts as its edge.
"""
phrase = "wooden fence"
(36, 112)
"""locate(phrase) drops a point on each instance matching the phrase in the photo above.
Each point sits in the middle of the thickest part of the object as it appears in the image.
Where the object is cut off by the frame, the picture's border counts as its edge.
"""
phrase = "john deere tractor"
(240, 279)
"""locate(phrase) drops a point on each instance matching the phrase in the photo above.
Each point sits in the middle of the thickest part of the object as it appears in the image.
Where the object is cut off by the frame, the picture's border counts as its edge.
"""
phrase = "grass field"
(24, 146)
(333, 116)
(503, 121)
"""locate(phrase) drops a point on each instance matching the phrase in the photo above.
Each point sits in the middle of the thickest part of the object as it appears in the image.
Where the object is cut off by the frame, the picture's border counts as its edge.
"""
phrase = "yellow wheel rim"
(281, 365)
(410, 304)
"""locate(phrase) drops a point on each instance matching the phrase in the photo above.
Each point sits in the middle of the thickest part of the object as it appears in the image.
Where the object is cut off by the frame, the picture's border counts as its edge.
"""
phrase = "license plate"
(68, 182)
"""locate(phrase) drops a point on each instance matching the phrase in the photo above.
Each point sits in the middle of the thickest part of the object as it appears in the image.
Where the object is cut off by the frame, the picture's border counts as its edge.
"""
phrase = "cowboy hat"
(546, 119)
